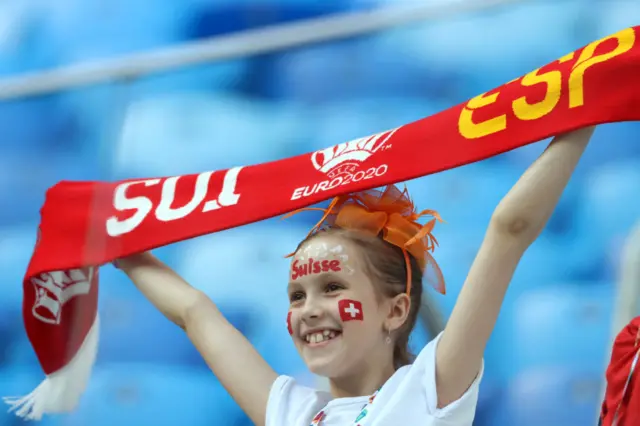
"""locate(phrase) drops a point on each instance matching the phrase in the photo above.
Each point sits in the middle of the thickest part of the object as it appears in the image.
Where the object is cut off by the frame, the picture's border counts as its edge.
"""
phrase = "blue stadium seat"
(561, 325)
(562, 221)
(98, 109)
(562, 396)
(613, 17)
(541, 265)
(16, 382)
(489, 399)
(611, 143)
(23, 49)
(20, 135)
(469, 41)
(16, 247)
(540, 268)
(81, 32)
(25, 177)
(353, 69)
(121, 394)
(343, 120)
(466, 196)
(609, 208)
(454, 256)
(133, 330)
(194, 132)
(243, 265)
(223, 17)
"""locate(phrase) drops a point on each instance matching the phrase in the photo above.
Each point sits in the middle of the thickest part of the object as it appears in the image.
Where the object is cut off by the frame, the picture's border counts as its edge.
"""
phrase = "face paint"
(289, 327)
(311, 266)
(350, 310)
(338, 251)
(317, 250)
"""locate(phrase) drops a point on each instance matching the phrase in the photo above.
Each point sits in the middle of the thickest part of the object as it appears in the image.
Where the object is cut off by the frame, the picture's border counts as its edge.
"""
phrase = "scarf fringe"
(60, 391)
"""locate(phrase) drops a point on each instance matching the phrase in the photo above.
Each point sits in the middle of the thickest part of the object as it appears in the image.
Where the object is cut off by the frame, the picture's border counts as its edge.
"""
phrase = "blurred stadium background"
(546, 360)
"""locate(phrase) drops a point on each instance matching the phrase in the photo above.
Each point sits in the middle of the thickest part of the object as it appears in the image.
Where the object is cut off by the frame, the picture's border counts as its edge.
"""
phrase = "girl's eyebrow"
(312, 279)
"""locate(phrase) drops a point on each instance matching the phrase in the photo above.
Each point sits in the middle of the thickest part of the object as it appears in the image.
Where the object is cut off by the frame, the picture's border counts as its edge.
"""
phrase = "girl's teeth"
(321, 336)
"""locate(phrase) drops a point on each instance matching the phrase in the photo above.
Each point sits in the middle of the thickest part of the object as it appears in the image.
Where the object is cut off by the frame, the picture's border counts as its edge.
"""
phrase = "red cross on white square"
(350, 310)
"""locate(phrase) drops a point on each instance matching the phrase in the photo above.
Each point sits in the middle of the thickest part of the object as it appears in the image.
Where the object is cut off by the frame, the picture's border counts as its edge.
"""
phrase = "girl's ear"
(398, 312)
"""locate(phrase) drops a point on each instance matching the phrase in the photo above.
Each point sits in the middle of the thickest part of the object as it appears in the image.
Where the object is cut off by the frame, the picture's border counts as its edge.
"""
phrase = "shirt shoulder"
(462, 411)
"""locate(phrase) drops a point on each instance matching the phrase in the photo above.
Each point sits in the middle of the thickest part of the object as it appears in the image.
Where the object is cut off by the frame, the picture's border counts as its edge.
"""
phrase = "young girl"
(355, 288)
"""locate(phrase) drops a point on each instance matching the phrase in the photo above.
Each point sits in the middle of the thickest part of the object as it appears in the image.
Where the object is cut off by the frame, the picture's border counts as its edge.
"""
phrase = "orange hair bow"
(391, 212)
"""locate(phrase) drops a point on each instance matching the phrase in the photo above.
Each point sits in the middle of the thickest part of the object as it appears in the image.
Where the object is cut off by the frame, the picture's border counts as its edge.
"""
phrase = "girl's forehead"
(329, 246)
(325, 255)
(321, 249)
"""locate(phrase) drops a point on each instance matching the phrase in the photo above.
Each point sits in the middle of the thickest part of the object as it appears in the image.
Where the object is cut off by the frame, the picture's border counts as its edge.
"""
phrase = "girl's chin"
(326, 370)
(326, 365)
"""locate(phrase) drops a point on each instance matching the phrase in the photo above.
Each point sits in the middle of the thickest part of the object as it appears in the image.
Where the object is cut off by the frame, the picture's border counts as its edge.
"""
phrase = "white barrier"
(246, 43)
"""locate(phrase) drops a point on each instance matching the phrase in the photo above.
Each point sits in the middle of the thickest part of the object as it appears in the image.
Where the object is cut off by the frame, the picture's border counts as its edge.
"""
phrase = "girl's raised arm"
(236, 363)
(516, 223)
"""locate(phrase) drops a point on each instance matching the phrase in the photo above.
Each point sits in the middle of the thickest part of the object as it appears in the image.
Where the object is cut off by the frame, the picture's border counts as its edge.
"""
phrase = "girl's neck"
(360, 383)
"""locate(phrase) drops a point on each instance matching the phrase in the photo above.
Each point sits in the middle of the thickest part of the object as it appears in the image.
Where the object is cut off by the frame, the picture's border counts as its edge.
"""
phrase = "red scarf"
(622, 397)
(87, 224)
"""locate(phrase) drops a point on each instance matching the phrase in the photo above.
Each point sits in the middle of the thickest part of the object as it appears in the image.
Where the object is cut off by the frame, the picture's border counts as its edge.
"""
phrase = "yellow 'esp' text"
(522, 109)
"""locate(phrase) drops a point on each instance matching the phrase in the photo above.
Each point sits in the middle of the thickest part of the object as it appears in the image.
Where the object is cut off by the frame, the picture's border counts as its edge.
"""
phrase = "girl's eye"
(331, 287)
(295, 296)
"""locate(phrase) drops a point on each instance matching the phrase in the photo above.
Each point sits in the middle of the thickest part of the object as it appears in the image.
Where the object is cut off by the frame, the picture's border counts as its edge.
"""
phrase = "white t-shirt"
(408, 398)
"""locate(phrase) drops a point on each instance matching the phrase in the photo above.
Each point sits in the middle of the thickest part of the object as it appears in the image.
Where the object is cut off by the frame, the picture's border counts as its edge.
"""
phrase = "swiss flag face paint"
(350, 310)
(289, 328)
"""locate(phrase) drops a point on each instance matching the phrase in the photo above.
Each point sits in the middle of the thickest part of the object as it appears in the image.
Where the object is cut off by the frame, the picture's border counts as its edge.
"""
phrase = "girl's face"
(335, 320)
